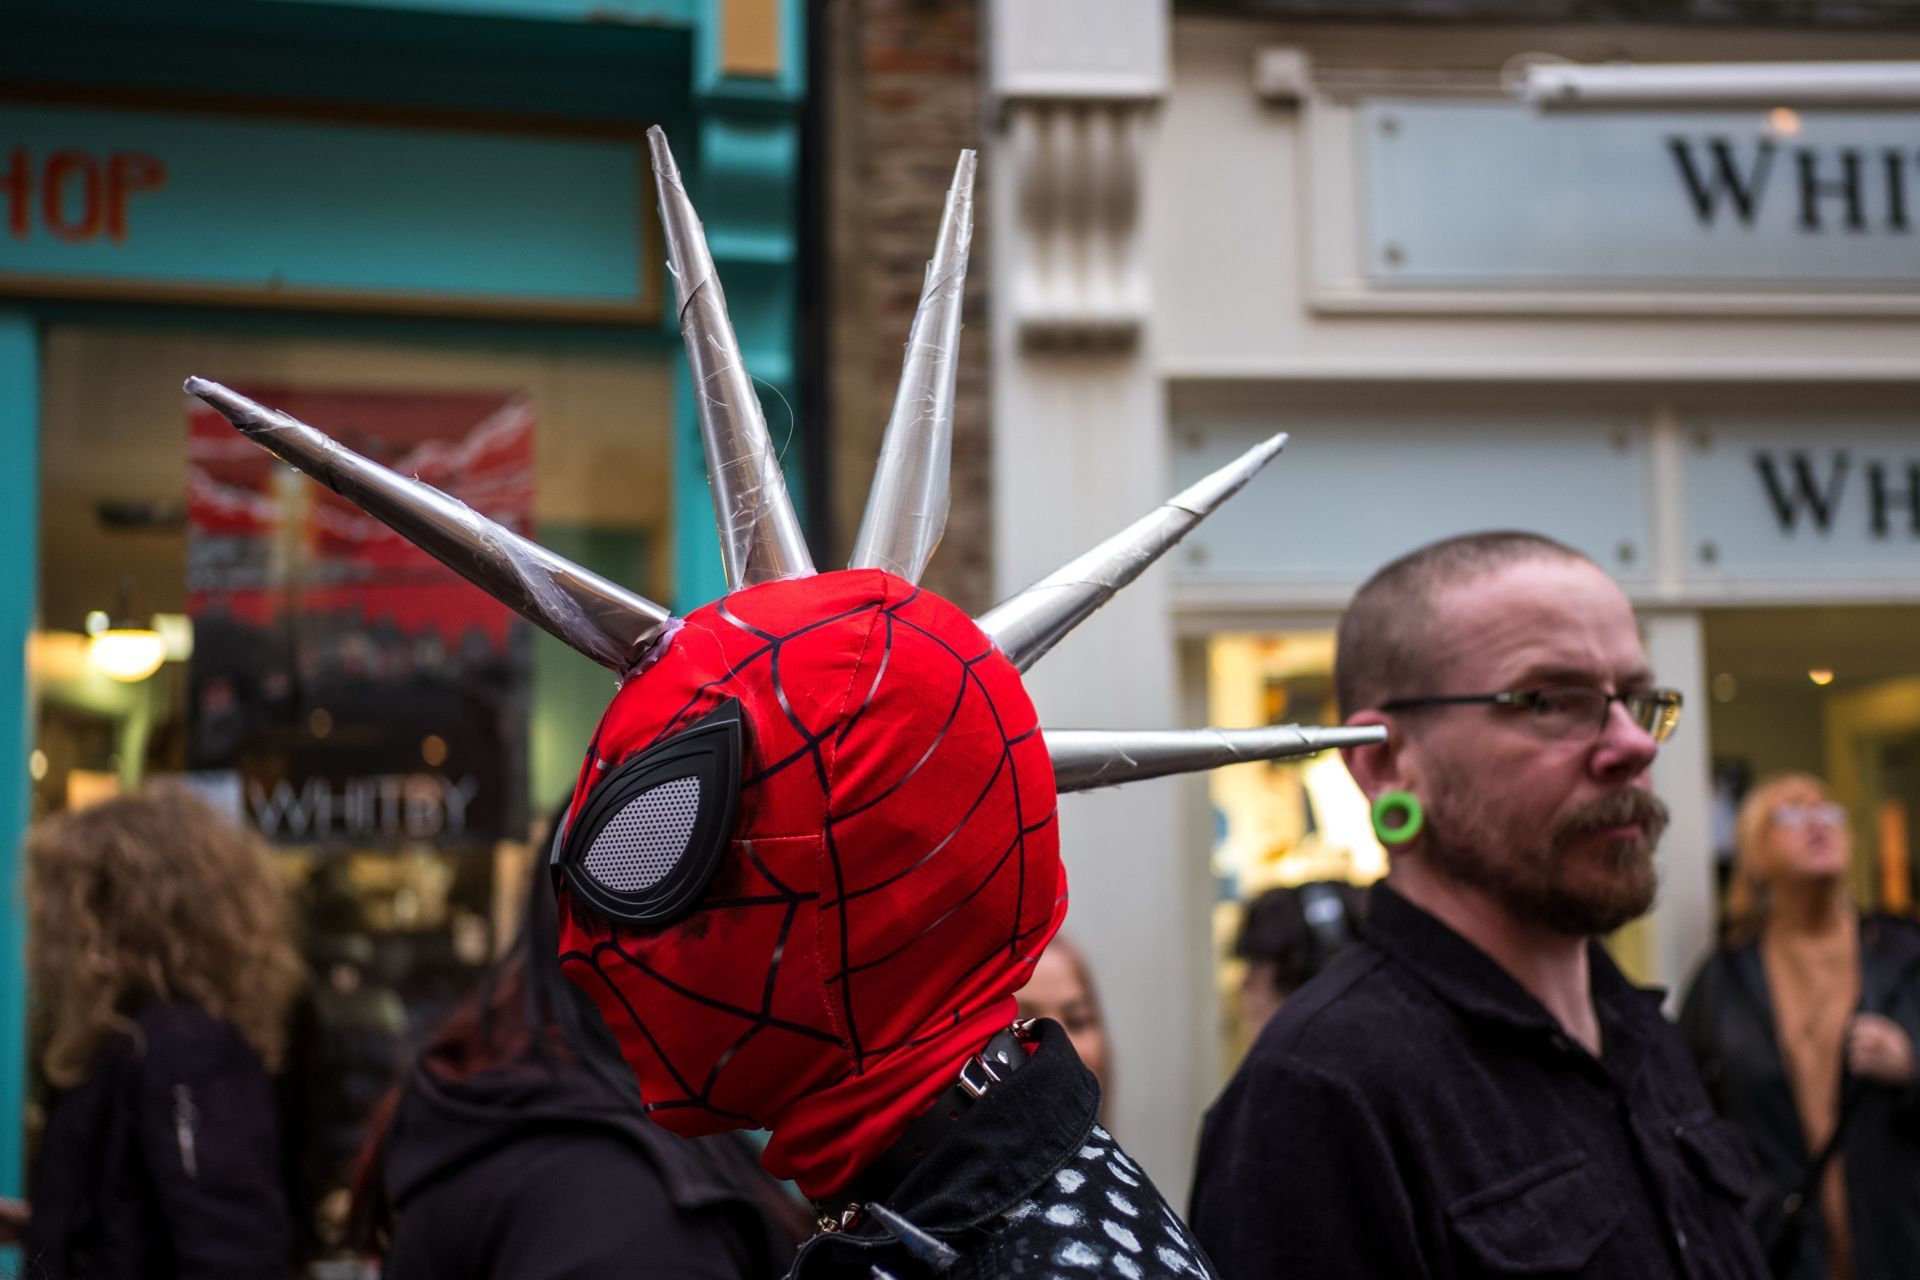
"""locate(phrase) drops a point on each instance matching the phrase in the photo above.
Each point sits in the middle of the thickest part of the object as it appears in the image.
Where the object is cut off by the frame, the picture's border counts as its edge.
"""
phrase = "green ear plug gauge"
(1397, 817)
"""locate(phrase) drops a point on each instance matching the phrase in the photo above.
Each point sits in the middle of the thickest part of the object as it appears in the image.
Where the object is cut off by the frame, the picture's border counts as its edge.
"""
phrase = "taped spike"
(1087, 758)
(1029, 623)
(606, 622)
(923, 1245)
(907, 506)
(760, 538)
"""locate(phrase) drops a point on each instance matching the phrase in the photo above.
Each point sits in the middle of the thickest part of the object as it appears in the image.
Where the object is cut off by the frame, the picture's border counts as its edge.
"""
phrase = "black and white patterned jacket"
(1026, 1184)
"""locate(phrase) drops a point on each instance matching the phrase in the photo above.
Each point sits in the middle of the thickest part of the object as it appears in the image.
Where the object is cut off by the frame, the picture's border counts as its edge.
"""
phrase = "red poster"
(367, 694)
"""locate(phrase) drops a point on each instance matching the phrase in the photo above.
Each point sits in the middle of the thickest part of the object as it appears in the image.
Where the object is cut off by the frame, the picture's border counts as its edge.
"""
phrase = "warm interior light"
(1820, 675)
(128, 654)
(177, 630)
(58, 655)
(1783, 122)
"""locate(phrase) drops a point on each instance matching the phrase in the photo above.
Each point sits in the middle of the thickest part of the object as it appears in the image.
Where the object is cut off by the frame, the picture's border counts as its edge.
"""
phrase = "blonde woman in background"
(162, 967)
(1804, 1028)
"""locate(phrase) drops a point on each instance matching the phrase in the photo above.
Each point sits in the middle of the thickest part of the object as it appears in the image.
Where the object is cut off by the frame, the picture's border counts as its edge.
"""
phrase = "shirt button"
(1561, 1043)
(1680, 1237)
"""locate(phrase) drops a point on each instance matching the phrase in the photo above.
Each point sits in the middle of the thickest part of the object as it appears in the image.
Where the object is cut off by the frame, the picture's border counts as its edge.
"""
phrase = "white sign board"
(1493, 194)
(1352, 491)
(1790, 501)
(1777, 499)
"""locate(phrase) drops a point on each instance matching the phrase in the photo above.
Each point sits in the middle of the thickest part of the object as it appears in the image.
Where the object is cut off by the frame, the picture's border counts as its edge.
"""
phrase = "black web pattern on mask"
(789, 901)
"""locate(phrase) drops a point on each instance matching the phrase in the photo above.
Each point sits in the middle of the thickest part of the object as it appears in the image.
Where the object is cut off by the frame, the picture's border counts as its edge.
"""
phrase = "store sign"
(1486, 193)
(231, 208)
(367, 811)
(1796, 503)
(1353, 491)
(1770, 499)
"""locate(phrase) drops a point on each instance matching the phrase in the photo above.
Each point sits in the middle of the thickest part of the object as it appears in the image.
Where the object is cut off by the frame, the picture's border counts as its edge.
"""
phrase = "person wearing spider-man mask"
(813, 849)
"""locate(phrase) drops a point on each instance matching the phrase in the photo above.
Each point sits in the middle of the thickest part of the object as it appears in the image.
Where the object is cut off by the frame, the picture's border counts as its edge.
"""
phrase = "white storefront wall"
(1190, 251)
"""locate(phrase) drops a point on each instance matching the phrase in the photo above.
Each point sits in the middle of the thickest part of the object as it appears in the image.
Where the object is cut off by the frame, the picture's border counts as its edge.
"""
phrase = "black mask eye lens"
(651, 836)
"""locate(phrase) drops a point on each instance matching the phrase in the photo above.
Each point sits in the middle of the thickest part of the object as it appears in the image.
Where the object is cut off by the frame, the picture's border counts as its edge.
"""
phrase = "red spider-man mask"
(892, 873)
(812, 852)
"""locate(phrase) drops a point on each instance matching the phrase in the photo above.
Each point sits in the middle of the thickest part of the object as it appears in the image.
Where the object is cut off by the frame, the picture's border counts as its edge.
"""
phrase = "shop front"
(1766, 541)
(1685, 341)
(429, 230)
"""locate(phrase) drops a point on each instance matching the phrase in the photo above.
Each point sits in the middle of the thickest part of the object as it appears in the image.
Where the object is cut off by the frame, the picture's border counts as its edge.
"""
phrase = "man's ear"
(1375, 767)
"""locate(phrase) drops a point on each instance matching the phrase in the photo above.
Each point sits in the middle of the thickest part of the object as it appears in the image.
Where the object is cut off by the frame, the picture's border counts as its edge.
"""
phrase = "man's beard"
(1536, 880)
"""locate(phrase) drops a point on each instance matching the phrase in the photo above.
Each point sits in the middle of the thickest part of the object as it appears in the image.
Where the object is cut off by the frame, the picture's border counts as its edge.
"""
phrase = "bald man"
(1475, 1090)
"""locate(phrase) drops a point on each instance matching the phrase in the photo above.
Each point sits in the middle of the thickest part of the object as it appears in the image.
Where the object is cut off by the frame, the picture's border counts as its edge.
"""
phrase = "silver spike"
(1087, 758)
(606, 622)
(760, 538)
(1030, 622)
(907, 506)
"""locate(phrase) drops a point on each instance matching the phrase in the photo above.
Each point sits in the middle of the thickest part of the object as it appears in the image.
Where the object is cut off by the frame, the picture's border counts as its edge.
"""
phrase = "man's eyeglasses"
(1567, 711)
(1809, 815)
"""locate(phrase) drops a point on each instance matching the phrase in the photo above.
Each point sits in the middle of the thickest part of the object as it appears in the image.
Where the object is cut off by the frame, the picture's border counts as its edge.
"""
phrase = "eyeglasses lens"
(1575, 710)
(1656, 710)
(1810, 815)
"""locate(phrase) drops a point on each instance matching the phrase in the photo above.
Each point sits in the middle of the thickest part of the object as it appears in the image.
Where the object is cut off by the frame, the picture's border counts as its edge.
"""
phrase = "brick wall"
(902, 98)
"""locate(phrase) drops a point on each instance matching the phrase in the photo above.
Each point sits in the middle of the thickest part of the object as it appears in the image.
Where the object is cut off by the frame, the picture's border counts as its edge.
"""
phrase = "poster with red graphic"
(365, 694)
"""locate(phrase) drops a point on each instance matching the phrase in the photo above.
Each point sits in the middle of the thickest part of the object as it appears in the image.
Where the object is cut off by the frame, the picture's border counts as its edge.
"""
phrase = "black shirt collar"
(1471, 981)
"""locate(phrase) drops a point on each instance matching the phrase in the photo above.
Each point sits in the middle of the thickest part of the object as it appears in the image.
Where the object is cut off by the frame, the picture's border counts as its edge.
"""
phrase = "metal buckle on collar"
(1022, 1029)
(978, 1091)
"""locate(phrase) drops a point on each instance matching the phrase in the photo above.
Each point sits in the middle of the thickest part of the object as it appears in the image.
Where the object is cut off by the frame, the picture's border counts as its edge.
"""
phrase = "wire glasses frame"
(1565, 710)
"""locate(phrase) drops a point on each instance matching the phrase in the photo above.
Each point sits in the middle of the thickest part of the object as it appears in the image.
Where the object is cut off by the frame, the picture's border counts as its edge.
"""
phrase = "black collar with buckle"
(1002, 1056)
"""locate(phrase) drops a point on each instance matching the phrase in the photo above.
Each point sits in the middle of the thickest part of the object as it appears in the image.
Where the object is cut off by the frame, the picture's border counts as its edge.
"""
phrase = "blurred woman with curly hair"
(162, 966)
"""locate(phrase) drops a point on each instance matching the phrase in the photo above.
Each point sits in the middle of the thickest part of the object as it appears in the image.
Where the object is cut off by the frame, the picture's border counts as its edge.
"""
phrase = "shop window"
(1832, 690)
(1281, 824)
(401, 760)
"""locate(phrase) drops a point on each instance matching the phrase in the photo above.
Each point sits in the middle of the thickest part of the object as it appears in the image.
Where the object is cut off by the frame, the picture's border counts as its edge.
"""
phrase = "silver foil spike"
(907, 506)
(606, 622)
(760, 538)
(1087, 758)
(1030, 622)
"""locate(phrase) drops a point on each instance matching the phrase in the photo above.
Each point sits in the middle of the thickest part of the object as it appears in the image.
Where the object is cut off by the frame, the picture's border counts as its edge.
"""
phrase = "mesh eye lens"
(652, 833)
(644, 841)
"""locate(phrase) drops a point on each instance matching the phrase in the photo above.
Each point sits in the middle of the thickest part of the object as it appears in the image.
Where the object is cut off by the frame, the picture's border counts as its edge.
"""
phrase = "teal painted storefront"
(375, 167)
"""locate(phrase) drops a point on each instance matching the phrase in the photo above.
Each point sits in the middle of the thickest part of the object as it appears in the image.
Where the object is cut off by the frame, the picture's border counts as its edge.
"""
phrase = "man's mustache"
(1631, 806)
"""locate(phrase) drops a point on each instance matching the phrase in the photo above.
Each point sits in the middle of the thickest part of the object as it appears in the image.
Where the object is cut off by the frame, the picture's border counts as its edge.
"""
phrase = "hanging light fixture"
(123, 648)
(128, 654)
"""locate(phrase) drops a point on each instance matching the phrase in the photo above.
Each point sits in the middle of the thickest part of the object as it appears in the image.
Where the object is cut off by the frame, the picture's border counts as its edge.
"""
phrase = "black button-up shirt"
(1414, 1112)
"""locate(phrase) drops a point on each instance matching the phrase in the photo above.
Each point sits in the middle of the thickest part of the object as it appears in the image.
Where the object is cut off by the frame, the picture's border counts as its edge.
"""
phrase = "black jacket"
(1413, 1112)
(1026, 1184)
(1728, 1021)
(525, 1175)
(164, 1162)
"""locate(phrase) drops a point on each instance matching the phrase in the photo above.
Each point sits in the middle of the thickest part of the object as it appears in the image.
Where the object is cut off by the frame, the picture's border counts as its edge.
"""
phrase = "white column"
(1682, 776)
(1080, 450)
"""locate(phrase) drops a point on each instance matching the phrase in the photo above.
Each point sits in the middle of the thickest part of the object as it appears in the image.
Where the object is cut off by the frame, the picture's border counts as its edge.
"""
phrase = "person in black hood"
(516, 1147)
